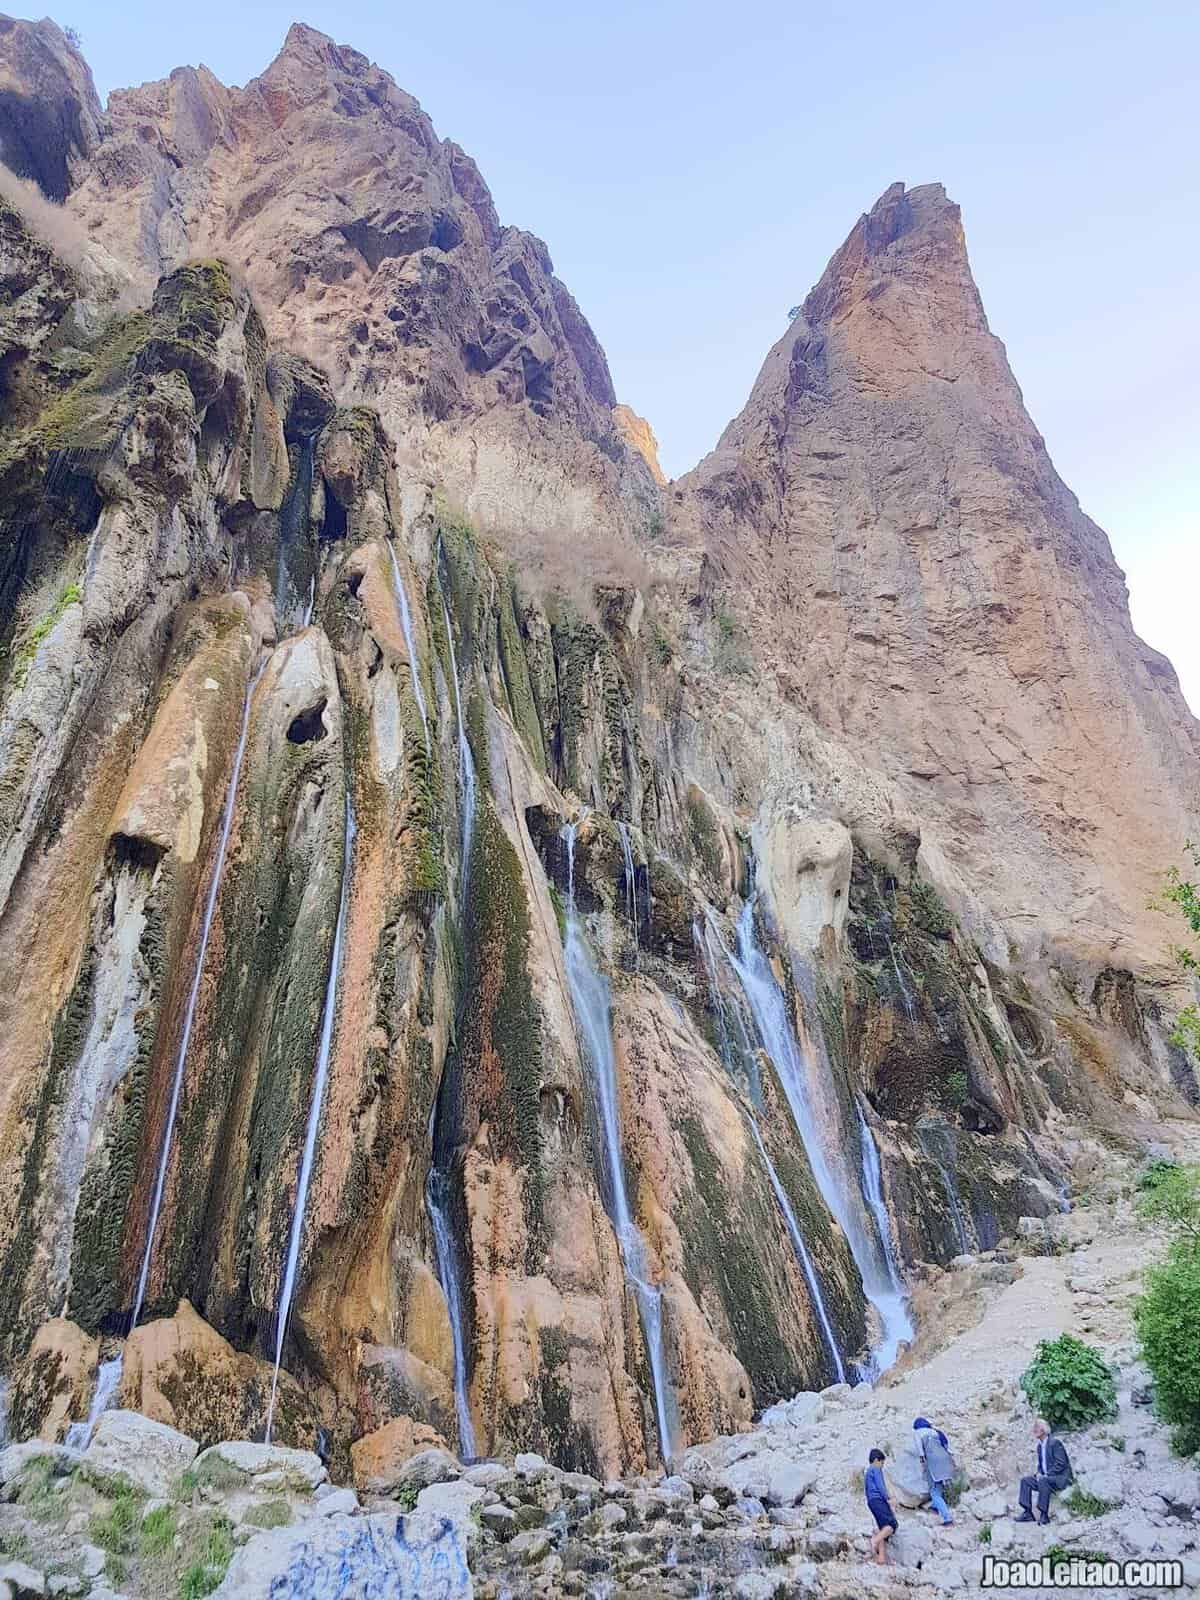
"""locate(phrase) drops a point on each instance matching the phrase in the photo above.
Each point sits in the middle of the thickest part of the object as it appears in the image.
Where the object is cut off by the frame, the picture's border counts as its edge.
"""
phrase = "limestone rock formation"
(543, 953)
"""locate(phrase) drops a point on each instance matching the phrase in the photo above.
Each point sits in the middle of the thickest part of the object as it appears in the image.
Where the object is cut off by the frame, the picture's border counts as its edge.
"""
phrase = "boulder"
(906, 1474)
(301, 1467)
(180, 1371)
(16, 1459)
(149, 1453)
(428, 1467)
(404, 1558)
(800, 1411)
(53, 1383)
(377, 1457)
(456, 1503)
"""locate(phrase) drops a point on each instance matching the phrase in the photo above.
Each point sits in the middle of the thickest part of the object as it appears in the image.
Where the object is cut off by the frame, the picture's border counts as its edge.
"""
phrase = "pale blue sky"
(693, 166)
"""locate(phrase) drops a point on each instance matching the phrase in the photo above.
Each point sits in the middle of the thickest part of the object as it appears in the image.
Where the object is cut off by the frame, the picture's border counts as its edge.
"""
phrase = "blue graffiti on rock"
(369, 1563)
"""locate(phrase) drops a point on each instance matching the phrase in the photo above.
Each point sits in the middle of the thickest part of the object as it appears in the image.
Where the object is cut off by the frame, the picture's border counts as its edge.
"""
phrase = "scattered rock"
(404, 1558)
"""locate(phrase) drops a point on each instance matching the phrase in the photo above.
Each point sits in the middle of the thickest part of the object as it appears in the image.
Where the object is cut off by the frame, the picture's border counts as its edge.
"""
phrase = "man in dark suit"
(1053, 1473)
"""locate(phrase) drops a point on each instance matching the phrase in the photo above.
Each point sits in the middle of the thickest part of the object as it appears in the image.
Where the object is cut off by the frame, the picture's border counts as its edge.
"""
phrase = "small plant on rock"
(985, 1533)
(1085, 1504)
(1069, 1383)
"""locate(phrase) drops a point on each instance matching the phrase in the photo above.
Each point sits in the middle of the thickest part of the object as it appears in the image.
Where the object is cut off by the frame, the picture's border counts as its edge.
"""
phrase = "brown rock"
(378, 1457)
(52, 1386)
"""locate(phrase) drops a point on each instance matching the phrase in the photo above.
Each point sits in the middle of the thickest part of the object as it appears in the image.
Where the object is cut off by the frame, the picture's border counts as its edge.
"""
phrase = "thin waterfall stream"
(437, 1201)
(871, 1248)
(631, 896)
(592, 1002)
(320, 1076)
(467, 782)
(189, 1015)
(108, 1378)
(711, 945)
(437, 1185)
(928, 1138)
(406, 624)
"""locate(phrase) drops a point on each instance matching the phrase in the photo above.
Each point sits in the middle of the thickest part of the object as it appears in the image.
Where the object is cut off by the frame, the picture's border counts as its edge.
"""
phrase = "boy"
(879, 1506)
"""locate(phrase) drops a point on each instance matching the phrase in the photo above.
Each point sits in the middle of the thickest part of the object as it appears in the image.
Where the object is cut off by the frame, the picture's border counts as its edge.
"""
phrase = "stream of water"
(743, 1049)
(320, 1075)
(631, 901)
(929, 1139)
(592, 1001)
(437, 1200)
(189, 1014)
(871, 1249)
(467, 782)
(79, 1434)
(406, 623)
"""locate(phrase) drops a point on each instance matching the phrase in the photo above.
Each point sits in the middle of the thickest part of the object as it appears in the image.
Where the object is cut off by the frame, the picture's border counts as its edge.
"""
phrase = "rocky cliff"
(539, 953)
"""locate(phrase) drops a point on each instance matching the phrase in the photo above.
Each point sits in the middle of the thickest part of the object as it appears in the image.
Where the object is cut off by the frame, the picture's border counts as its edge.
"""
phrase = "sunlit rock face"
(331, 591)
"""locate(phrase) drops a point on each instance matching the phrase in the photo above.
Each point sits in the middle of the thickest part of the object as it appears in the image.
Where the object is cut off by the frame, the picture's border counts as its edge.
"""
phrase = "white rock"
(340, 1503)
(91, 1560)
(488, 1474)
(23, 1580)
(454, 1502)
(16, 1458)
(429, 1466)
(531, 1465)
(799, 1410)
(255, 1460)
(404, 1558)
(148, 1453)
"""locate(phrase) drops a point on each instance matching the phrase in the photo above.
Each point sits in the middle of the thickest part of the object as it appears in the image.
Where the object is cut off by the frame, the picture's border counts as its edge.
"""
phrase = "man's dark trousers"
(1043, 1486)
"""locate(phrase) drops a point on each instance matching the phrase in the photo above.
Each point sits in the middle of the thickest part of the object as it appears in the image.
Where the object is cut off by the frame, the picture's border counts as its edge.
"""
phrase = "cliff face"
(938, 600)
(561, 1015)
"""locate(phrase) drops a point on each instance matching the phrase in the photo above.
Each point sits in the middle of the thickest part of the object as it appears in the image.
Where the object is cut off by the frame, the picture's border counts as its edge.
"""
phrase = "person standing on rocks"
(933, 1447)
(879, 1506)
(1053, 1474)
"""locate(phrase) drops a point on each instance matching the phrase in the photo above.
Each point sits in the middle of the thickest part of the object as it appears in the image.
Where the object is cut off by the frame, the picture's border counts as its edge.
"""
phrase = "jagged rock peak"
(50, 114)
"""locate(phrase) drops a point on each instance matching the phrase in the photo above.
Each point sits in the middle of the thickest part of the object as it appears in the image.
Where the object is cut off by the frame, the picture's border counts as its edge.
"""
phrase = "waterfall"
(872, 1255)
(467, 782)
(437, 1201)
(802, 1255)
(5, 1404)
(406, 623)
(320, 1074)
(929, 1140)
(905, 991)
(791, 1222)
(591, 999)
(78, 1435)
(893, 1312)
(189, 1014)
(631, 905)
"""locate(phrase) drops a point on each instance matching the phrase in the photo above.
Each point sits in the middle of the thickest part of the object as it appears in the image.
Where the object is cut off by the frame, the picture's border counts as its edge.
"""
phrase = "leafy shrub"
(1171, 1194)
(958, 1087)
(1167, 1318)
(1069, 1384)
(985, 1533)
(1059, 1556)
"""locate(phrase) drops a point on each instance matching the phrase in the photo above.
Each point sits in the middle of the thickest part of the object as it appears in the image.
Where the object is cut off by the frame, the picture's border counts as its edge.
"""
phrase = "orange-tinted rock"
(53, 1384)
(377, 1457)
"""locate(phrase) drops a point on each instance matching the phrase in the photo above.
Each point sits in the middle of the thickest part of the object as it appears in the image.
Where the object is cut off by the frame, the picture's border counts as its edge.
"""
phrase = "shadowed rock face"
(867, 670)
(50, 118)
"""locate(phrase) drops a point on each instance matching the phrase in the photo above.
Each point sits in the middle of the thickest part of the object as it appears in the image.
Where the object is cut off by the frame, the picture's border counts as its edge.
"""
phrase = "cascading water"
(898, 1326)
(406, 624)
(320, 1074)
(591, 999)
(631, 904)
(929, 1143)
(711, 944)
(189, 1014)
(872, 1255)
(905, 990)
(467, 782)
(79, 1434)
(437, 1201)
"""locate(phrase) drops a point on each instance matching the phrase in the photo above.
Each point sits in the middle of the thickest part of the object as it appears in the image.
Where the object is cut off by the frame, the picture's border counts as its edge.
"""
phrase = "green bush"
(1167, 1318)
(1069, 1384)
(1171, 1194)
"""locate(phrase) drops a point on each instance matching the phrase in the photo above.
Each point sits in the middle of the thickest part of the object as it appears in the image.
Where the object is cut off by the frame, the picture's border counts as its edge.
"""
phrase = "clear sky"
(692, 167)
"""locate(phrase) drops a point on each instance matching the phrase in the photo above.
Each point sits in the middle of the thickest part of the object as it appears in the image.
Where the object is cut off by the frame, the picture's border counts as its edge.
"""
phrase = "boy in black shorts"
(879, 1506)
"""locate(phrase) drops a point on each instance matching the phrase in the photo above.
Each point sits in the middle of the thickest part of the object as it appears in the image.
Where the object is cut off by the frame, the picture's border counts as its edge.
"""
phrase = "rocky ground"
(776, 1511)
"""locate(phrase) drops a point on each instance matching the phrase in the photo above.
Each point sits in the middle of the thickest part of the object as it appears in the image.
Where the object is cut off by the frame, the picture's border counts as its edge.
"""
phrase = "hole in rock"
(334, 526)
(309, 726)
(130, 850)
